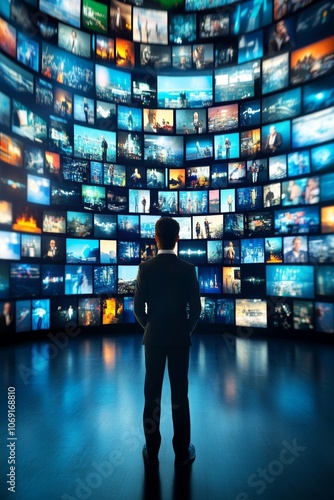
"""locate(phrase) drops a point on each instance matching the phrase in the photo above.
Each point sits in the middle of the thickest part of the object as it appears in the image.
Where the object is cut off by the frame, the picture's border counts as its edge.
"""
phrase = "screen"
(218, 114)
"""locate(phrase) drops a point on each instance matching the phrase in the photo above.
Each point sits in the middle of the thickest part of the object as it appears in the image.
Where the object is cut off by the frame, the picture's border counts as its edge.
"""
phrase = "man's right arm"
(194, 302)
(140, 300)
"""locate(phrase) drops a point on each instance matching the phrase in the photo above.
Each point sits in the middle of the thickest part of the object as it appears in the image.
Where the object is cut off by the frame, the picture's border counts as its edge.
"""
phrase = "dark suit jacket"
(274, 49)
(277, 142)
(3, 327)
(168, 285)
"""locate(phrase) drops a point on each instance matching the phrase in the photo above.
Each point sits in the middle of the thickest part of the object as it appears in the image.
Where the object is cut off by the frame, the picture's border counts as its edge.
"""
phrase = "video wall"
(217, 113)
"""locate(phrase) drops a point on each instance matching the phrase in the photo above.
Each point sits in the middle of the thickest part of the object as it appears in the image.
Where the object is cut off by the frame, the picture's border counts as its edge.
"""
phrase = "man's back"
(168, 286)
(167, 305)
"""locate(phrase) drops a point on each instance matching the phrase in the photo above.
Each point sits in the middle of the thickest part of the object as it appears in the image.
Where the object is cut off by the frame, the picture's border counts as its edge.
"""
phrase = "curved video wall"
(219, 114)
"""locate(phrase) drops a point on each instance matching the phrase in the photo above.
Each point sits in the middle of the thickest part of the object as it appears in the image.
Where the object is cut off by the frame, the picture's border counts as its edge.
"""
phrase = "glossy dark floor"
(262, 421)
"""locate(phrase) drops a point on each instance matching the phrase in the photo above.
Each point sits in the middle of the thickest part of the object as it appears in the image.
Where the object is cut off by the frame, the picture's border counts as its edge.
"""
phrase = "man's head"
(166, 233)
(152, 115)
(296, 244)
(6, 308)
(280, 29)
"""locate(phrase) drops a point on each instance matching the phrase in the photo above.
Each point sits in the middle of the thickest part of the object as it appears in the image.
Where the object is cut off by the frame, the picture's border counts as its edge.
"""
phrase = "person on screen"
(230, 203)
(79, 281)
(295, 193)
(69, 313)
(254, 171)
(130, 120)
(167, 305)
(151, 125)
(183, 99)
(153, 179)
(198, 230)
(227, 147)
(6, 318)
(52, 252)
(269, 198)
(207, 228)
(85, 109)
(207, 151)
(111, 173)
(299, 164)
(296, 254)
(229, 54)
(73, 44)
(146, 56)
(117, 21)
(274, 140)
(135, 178)
(198, 57)
(312, 191)
(280, 41)
(230, 253)
(104, 146)
(143, 202)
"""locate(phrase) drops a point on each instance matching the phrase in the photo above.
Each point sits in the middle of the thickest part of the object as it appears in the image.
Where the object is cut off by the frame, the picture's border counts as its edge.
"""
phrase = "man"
(195, 122)
(6, 318)
(167, 305)
(274, 140)
(52, 253)
(151, 125)
(280, 42)
(73, 44)
(230, 203)
(230, 254)
(227, 147)
(207, 228)
(198, 57)
(117, 21)
(254, 171)
(143, 202)
(269, 198)
(296, 254)
(295, 193)
(104, 146)
(130, 120)
(85, 109)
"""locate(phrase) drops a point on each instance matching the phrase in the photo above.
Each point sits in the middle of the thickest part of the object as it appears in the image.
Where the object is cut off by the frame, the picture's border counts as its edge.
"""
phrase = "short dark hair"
(167, 231)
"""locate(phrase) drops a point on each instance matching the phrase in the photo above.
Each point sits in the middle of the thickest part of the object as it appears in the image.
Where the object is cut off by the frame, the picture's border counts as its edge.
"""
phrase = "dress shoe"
(148, 460)
(188, 458)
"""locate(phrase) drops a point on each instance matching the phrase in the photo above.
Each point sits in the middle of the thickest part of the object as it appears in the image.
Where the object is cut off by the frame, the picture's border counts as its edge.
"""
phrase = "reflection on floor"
(262, 420)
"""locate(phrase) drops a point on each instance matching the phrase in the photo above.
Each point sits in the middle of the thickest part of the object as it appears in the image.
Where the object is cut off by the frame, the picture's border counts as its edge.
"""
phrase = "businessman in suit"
(6, 318)
(274, 140)
(167, 305)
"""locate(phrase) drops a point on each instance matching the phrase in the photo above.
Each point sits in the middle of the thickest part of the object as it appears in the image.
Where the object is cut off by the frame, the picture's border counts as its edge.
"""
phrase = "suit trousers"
(178, 365)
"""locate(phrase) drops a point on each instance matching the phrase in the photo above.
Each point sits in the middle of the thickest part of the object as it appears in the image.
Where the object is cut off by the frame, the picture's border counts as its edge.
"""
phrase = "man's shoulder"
(161, 260)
